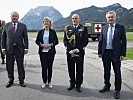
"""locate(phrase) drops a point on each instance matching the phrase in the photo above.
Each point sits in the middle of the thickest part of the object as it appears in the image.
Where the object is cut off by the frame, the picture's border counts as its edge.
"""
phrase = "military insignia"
(80, 30)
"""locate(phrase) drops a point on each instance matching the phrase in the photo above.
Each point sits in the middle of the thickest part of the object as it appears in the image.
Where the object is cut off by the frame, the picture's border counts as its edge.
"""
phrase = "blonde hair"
(49, 19)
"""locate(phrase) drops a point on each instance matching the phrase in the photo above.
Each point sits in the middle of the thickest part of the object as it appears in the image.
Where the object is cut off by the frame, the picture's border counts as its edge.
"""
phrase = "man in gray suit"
(15, 45)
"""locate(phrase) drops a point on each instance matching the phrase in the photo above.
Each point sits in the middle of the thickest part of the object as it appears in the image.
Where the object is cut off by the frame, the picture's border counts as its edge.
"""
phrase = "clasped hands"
(46, 46)
(74, 52)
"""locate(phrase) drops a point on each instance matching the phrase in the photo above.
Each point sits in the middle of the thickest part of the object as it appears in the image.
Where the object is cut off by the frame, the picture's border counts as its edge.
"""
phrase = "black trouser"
(10, 59)
(108, 58)
(78, 80)
(46, 63)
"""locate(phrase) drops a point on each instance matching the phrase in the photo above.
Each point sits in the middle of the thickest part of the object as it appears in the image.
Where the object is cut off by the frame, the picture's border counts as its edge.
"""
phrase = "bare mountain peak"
(33, 19)
(115, 5)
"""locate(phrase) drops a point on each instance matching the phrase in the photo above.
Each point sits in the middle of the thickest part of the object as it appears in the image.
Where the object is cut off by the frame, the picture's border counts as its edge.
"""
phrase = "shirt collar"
(75, 25)
(113, 25)
(15, 23)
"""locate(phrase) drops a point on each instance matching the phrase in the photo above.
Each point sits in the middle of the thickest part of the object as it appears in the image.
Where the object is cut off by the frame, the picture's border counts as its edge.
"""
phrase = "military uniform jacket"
(80, 39)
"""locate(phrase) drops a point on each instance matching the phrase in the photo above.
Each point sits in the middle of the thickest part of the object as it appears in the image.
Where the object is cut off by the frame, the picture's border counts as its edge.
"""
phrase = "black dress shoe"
(104, 89)
(22, 84)
(117, 94)
(9, 84)
(78, 89)
(3, 62)
(71, 87)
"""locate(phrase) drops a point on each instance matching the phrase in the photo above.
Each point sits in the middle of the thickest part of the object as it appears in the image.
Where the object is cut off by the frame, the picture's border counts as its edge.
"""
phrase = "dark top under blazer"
(20, 37)
(52, 39)
(119, 41)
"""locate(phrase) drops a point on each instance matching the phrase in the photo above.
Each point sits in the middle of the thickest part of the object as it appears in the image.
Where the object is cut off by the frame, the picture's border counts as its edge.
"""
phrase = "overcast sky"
(65, 7)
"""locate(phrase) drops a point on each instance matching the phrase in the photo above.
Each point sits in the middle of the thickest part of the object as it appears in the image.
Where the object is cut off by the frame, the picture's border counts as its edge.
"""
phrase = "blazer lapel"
(41, 34)
(106, 31)
(11, 27)
(115, 30)
(50, 35)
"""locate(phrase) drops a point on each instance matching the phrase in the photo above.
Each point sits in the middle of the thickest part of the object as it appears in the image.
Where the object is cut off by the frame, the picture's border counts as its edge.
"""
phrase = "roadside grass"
(129, 54)
(32, 34)
(129, 36)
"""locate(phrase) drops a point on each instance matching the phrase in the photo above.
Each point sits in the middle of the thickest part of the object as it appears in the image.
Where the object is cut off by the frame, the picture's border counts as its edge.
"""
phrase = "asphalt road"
(93, 79)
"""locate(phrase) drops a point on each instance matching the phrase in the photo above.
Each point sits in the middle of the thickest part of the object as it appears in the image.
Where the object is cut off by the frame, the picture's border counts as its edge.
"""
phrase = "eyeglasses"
(74, 18)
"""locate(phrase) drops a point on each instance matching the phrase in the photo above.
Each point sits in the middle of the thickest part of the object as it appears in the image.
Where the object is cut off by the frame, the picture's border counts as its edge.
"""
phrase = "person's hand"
(73, 52)
(46, 46)
(4, 52)
(25, 51)
(122, 58)
(99, 55)
(73, 55)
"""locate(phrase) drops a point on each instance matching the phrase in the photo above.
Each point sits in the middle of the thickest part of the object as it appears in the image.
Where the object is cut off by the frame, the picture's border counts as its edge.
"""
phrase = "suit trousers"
(107, 59)
(46, 63)
(78, 80)
(10, 60)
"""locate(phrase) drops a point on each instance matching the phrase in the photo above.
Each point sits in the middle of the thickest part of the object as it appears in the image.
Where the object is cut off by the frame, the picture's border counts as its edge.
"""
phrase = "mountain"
(34, 17)
(97, 14)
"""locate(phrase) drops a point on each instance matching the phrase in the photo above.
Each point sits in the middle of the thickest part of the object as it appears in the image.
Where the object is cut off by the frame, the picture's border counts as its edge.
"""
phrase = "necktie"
(75, 29)
(110, 37)
(14, 28)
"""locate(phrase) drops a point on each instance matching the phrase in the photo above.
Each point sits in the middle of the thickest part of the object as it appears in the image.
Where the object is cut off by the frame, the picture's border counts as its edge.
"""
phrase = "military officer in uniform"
(75, 40)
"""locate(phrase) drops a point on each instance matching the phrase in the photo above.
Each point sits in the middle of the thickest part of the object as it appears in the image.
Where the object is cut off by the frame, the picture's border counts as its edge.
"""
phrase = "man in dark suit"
(75, 41)
(2, 23)
(112, 49)
(15, 45)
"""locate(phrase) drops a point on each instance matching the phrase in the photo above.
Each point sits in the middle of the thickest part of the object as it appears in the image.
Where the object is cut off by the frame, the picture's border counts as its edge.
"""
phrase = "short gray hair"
(111, 12)
(15, 13)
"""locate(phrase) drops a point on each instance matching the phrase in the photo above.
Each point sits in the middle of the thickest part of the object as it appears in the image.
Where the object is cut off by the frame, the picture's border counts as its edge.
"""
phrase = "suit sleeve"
(26, 43)
(3, 39)
(55, 42)
(65, 40)
(100, 42)
(123, 42)
(85, 40)
(38, 41)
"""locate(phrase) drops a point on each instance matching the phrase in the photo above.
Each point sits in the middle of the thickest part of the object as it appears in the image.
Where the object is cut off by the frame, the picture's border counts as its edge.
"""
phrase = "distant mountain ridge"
(97, 14)
(33, 19)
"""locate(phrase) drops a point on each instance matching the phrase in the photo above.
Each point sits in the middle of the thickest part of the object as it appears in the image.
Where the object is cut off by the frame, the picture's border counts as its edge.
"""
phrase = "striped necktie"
(14, 28)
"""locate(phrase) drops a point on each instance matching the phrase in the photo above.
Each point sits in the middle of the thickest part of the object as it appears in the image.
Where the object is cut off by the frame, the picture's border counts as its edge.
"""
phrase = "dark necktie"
(75, 29)
(14, 28)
